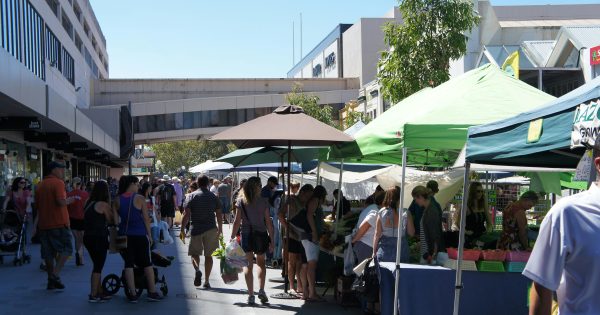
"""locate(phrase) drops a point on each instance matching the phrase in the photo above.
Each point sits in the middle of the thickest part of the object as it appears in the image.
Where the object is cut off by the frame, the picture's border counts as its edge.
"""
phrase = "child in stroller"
(13, 238)
(112, 283)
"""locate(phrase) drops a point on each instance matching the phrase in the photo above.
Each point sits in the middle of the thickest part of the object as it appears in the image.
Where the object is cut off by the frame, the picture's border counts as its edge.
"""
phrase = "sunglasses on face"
(22, 182)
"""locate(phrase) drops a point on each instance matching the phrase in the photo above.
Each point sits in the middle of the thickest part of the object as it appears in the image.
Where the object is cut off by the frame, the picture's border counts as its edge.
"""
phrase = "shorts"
(205, 243)
(76, 224)
(258, 244)
(57, 241)
(295, 247)
(137, 252)
(312, 250)
(167, 211)
(225, 206)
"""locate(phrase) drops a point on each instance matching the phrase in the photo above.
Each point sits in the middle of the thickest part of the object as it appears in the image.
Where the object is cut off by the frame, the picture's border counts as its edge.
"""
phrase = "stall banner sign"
(595, 55)
(586, 124)
(535, 130)
(582, 172)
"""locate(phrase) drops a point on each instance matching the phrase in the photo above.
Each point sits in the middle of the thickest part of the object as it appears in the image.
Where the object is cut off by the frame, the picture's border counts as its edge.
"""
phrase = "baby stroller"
(112, 283)
(13, 238)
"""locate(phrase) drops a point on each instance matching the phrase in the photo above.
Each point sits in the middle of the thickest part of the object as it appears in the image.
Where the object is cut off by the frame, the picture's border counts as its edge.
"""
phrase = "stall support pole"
(318, 172)
(339, 199)
(458, 285)
(400, 235)
(487, 199)
(289, 193)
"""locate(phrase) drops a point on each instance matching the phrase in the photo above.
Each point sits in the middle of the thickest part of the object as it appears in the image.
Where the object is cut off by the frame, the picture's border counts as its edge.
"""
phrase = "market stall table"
(430, 290)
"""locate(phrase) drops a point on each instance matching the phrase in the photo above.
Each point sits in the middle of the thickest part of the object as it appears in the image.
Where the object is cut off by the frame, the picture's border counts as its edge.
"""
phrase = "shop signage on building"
(595, 55)
(20, 123)
(586, 124)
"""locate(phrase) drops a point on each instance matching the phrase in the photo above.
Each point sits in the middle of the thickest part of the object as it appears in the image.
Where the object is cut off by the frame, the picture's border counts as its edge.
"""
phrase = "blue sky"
(226, 39)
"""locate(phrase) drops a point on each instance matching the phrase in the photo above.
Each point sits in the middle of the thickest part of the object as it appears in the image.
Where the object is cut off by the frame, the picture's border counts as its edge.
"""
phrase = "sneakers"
(206, 285)
(251, 300)
(54, 283)
(132, 299)
(154, 297)
(262, 296)
(198, 278)
(95, 299)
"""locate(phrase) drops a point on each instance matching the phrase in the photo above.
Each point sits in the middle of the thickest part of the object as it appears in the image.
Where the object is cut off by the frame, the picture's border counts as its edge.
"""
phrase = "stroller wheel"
(27, 259)
(111, 284)
(17, 262)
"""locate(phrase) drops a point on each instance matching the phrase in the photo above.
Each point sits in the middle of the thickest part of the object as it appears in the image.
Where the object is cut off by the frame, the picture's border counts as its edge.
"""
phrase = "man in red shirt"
(76, 217)
(53, 223)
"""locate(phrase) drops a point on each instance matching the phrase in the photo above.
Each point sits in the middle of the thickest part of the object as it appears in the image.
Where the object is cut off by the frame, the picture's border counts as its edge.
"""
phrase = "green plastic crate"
(490, 266)
(513, 266)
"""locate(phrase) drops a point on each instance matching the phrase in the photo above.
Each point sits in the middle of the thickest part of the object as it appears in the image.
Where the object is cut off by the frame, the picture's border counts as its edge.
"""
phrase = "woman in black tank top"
(97, 213)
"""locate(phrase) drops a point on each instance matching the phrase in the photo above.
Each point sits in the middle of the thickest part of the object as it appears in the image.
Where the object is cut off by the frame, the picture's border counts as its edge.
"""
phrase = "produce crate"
(468, 254)
(493, 255)
(515, 266)
(490, 266)
(518, 256)
(466, 265)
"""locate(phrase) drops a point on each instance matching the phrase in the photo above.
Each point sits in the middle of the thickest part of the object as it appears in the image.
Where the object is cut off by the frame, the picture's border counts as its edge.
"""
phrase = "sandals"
(318, 299)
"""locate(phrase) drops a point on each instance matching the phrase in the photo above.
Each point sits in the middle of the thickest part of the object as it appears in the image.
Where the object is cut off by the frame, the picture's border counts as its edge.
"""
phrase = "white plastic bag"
(167, 238)
(349, 260)
(235, 255)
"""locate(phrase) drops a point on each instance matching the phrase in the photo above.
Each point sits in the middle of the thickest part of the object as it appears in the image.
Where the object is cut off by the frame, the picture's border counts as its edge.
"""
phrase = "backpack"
(166, 193)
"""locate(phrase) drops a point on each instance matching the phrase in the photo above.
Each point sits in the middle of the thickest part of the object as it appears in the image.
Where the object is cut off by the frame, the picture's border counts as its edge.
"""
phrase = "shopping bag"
(228, 273)
(349, 260)
(116, 242)
(235, 255)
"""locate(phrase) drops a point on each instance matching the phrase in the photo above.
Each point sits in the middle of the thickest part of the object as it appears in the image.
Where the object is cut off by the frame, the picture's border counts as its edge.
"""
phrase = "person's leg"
(208, 264)
(130, 280)
(78, 236)
(150, 281)
(292, 258)
(248, 273)
(63, 241)
(262, 270)
(302, 279)
(311, 279)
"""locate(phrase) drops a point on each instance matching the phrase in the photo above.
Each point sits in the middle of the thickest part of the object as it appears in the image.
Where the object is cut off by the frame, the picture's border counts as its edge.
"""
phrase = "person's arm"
(540, 300)
(186, 218)
(269, 224)
(140, 199)
(236, 222)
(283, 212)
(6, 200)
(410, 225)
(310, 217)
(105, 209)
(377, 236)
(115, 209)
(364, 227)
(219, 217)
(488, 219)
(522, 224)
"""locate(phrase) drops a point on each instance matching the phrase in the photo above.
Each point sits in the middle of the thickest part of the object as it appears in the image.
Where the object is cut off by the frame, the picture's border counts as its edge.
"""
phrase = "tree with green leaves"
(432, 34)
(352, 117)
(174, 155)
(310, 104)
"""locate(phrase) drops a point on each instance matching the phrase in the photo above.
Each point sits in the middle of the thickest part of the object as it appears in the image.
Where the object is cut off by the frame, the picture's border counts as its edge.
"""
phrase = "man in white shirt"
(566, 256)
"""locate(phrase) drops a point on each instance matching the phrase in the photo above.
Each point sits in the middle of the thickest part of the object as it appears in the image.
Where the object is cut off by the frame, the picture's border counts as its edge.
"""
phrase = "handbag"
(259, 240)
(367, 285)
(119, 242)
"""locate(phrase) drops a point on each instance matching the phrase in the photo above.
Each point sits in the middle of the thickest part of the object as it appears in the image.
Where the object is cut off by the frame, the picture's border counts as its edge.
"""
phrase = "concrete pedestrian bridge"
(183, 109)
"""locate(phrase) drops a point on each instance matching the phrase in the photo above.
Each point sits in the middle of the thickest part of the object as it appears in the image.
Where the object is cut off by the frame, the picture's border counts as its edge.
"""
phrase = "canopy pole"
(339, 199)
(289, 193)
(487, 198)
(318, 171)
(400, 235)
(302, 176)
(461, 239)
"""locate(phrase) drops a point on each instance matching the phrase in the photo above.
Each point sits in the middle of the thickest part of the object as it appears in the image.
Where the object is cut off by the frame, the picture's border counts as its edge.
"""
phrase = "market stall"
(430, 290)
(429, 128)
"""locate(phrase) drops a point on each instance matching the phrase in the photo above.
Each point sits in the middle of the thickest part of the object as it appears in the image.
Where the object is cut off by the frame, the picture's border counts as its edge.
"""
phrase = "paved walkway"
(23, 291)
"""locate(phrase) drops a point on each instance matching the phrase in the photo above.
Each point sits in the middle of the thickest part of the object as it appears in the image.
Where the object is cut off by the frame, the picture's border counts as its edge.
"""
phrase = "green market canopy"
(505, 142)
(432, 124)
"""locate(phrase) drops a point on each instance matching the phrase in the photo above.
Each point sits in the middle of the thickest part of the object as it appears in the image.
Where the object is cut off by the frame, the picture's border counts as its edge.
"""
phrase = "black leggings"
(97, 247)
(137, 253)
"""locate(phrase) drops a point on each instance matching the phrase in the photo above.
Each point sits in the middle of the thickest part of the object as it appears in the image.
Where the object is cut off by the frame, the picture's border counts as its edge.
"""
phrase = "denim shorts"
(56, 241)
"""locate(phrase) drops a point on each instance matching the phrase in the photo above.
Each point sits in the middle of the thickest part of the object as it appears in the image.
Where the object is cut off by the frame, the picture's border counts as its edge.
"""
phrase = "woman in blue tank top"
(132, 211)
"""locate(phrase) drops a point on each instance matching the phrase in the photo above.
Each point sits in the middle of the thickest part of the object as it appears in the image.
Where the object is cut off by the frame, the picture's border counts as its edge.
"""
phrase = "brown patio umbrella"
(287, 125)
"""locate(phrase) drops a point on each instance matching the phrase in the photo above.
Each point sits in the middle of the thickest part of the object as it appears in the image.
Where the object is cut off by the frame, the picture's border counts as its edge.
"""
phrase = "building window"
(78, 43)
(10, 27)
(68, 69)
(77, 11)
(94, 43)
(53, 4)
(86, 29)
(67, 25)
(53, 50)
(33, 48)
(88, 57)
